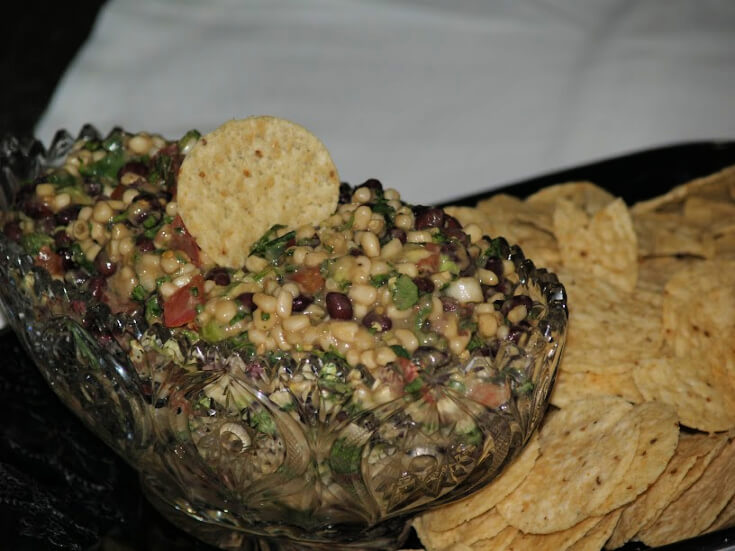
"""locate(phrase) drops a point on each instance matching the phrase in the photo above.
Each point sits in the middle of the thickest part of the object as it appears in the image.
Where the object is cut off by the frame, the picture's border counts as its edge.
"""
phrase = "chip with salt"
(663, 233)
(608, 327)
(573, 385)
(595, 539)
(603, 244)
(585, 449)
(451, 516)
(701, 393)
(698, 507)
(249, 175)
(586, 195)
(693, 452)
(555, 541)
(657, 440)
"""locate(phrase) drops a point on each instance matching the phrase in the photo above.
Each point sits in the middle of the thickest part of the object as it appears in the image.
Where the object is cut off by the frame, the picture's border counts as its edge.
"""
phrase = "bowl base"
(233, 538)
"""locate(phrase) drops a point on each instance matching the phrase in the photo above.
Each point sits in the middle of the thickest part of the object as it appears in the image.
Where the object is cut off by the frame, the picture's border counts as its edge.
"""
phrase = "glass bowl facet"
(219, 455)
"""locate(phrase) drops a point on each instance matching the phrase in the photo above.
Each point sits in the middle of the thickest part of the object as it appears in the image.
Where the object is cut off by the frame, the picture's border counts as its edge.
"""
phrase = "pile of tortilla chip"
(639, 443)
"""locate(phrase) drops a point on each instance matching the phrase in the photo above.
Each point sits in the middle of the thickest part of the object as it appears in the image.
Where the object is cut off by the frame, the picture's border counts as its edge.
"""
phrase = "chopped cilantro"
(194, 291)
(237, 317)
(61, 178)
(379, 280)
(400, 351)
(265, 316)
(139, 293)
(272, 248)
(153, 310)
(475, 343)
(188, 138)
(78, 256)
(107, 168)
(405, 293)
(344, 457)
(32, 242)
(263, 422)
(414, 386)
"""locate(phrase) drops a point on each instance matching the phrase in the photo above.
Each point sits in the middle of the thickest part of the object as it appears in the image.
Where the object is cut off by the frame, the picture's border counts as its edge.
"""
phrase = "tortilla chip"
(555, 541)
(698, 506)
(584, 450)
(570, 386)
(699, 309)
(501, 542)
(537, 244)
(607, 326)
(484, 526)
(657, 440)
(248, 175)
(450, 516)
(693, 452)
(585, 195)
(603, 245)
(595, 539)
(725, 519)
(701, 393)
(654, 272)
(662, 233)
(718, 186)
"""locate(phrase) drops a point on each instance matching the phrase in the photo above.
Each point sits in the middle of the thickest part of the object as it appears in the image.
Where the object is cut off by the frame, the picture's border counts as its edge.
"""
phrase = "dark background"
(61, 488)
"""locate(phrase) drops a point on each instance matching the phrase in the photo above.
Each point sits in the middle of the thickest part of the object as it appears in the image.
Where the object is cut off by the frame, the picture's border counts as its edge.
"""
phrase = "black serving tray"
(61, 488)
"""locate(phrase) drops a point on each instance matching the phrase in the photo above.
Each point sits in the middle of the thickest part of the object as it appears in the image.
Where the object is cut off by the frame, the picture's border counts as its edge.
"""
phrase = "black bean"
(517, 300)
(450, 222)
(75, 277)
(345, 193)
(92, 187)
(219, 275)
(46, 224)
(458, 234)
(339, 306)
(12, 230)
(96, 285)
(495, 265)
(36, 209)
(378, 322)
(424, 284)
(449, 304)
(104, 265)
(246, 299)
(62, 239)
(430, 218)
(300, 303)
(373, 185)
(67, 257)
(66, 215)
(144, 244)
(134, 167)
(398, 233)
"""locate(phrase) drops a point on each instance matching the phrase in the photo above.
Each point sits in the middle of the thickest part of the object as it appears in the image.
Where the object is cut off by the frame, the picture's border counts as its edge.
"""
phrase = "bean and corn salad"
(395, 300)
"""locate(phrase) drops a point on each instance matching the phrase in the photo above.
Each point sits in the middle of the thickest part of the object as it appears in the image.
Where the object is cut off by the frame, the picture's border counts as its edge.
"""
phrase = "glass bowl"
(236, 469)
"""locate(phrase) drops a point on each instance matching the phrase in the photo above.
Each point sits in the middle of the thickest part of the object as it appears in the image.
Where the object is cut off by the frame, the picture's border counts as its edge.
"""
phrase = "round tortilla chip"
(586, 195)
(585, 449)
(698, 507)
(599, 534)
(248, 175)
(603, 244)
(701, 393)
(693, 453)
(453, 515)
(555, 541)
(657, 440)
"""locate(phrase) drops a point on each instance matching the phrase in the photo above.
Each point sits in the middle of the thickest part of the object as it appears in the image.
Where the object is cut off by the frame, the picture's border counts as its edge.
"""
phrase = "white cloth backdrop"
(438, 98)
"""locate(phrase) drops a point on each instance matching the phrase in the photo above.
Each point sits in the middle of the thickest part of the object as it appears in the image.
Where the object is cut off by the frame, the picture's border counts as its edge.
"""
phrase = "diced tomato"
(429, 264)
(310, 279)
(490, 394)
(180, 308)
(50, 261)
(182, 240)
(410, 370)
